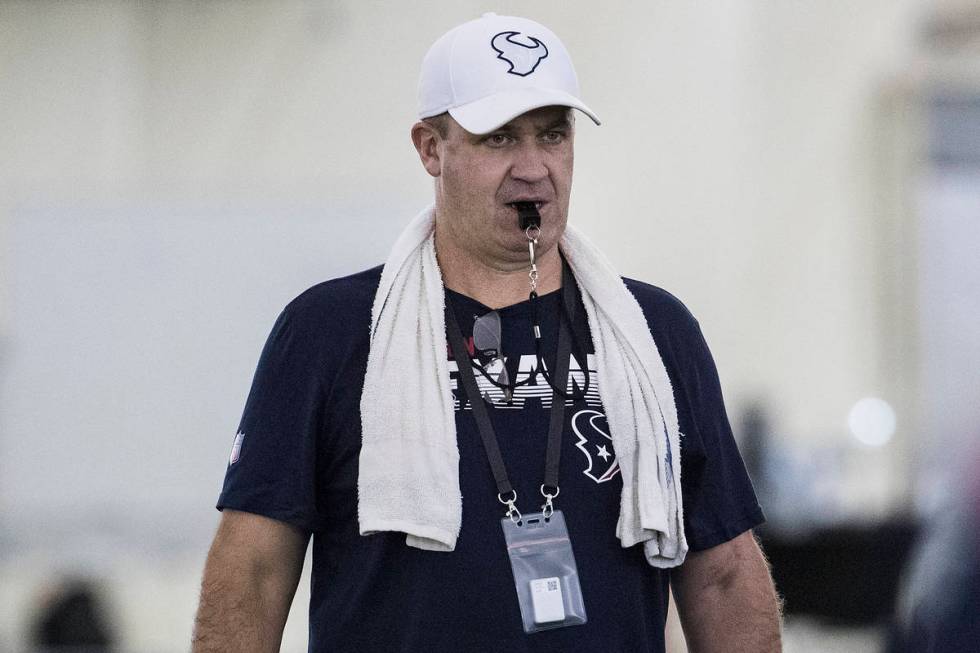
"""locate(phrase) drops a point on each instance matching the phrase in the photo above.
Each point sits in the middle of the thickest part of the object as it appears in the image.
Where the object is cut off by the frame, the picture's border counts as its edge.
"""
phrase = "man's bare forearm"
(249, 581)
(741, 616)
(233, 617)
(729, 603)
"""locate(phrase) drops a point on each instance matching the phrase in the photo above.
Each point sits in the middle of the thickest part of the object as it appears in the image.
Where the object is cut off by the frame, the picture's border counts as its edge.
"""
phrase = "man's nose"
(529, 163)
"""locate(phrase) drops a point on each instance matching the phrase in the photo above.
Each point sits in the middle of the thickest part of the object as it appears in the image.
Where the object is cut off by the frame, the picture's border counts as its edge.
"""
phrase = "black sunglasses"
(487, 338)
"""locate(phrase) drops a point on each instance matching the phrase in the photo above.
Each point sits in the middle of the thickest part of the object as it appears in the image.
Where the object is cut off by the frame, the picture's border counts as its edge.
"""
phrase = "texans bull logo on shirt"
(589, 424)
(595, 442)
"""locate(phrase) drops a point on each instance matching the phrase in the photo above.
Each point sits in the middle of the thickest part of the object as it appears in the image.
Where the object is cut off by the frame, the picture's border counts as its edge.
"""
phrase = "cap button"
(489, 14)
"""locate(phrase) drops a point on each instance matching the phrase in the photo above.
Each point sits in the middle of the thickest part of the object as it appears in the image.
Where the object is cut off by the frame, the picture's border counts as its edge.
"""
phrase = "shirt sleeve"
(719, 501)
(272, 467)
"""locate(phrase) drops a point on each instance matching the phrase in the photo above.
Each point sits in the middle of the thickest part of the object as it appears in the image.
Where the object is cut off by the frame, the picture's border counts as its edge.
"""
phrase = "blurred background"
(804, 175)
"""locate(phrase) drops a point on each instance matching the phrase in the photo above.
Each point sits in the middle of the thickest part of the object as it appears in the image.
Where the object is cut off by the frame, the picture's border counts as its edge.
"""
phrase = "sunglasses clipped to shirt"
(487, 338)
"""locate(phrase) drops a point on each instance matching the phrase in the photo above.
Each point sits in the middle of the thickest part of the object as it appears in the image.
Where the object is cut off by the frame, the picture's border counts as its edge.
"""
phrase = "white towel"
(409, 464)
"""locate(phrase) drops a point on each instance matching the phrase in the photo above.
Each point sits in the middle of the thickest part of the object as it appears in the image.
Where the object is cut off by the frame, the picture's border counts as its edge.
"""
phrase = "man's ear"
(426, 140)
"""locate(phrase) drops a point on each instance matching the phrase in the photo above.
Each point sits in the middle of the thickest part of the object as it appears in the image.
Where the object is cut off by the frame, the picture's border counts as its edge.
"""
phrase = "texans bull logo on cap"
(523, 59)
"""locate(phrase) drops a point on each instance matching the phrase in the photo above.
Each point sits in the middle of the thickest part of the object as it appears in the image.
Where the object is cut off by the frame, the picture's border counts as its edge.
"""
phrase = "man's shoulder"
(334, 311)
(662, 309)
(673, 327)
(342, 296)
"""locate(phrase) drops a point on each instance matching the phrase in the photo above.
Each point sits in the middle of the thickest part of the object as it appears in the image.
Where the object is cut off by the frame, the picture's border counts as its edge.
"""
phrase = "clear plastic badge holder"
(544, 571)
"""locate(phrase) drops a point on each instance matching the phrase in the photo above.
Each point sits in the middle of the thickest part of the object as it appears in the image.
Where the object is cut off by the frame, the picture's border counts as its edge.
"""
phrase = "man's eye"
(497, 140)
(552, 137)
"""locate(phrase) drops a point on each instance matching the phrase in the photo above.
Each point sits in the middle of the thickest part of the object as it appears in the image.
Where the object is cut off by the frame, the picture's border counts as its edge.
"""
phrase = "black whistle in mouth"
(527, 215)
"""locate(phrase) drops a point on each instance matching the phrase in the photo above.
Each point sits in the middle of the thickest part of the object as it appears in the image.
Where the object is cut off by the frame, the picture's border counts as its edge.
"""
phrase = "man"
(363, 432)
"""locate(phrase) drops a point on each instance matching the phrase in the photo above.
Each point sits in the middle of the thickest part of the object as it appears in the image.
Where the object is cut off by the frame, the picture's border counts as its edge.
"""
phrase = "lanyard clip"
(548, 509)
(512, 511)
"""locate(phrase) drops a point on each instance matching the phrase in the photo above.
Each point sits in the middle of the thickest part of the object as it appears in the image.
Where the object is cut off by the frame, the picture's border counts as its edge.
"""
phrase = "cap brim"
(489, 113)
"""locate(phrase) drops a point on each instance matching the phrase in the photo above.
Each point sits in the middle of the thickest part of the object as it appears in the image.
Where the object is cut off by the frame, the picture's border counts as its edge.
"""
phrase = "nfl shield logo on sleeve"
(236, 449)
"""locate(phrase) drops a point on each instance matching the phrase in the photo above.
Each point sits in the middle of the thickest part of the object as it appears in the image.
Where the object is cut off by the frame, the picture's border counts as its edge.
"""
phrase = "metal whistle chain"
(530, 222)
(533, 274)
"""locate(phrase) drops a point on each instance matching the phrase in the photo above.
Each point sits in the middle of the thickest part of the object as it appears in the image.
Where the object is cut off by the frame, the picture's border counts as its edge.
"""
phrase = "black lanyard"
(479, 407)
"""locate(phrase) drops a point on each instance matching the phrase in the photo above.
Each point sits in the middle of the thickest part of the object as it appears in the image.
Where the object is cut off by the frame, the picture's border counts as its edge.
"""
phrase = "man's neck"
(496, 284)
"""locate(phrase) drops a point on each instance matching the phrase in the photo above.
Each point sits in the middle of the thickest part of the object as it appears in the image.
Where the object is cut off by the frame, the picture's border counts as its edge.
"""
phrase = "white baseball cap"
(490, 70)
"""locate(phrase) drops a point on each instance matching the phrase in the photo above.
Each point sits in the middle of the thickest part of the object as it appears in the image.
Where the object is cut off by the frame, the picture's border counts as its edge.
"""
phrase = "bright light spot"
(872, 421)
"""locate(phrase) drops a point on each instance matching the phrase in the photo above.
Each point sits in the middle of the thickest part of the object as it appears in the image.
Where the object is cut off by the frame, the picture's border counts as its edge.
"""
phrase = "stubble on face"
(529, 159)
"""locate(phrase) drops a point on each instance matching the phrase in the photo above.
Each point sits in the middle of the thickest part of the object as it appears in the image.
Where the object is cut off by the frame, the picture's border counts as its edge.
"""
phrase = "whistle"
(527, 215)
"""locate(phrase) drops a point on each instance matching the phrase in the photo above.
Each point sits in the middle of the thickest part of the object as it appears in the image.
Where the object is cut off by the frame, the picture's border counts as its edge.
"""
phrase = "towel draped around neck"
(408, 478)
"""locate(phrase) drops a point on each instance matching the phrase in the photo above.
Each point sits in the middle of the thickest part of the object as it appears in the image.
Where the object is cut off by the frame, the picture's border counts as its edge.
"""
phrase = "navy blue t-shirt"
(296, 460)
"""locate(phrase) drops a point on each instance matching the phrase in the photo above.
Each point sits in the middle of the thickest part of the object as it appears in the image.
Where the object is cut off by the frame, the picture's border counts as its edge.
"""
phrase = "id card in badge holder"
(545, 574)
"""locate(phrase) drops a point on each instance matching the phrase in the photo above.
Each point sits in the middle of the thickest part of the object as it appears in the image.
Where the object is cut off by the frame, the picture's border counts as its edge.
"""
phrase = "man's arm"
(726, 599)
(249, 581)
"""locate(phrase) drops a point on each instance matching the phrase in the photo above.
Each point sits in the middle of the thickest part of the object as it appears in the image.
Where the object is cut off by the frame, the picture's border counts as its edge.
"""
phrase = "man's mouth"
(517, 204)
(528, 216)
